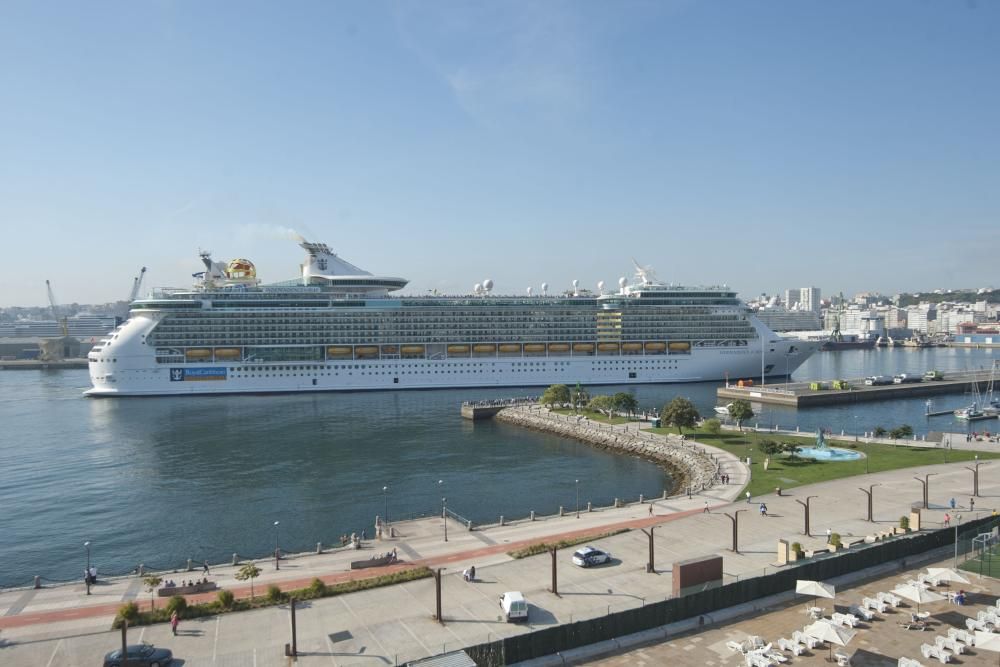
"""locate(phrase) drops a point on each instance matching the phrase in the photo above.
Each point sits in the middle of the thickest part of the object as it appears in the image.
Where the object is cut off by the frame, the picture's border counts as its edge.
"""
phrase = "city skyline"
(761, 145)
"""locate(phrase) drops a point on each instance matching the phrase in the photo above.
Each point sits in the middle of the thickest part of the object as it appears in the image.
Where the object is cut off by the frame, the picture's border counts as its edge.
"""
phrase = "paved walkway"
(62, 625)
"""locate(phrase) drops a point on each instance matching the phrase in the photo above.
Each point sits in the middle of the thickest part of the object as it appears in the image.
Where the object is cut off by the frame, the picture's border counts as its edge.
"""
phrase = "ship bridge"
(325, 269)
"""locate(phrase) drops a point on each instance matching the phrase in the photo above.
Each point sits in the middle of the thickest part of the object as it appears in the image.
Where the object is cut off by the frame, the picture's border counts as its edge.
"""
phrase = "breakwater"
(690, 465)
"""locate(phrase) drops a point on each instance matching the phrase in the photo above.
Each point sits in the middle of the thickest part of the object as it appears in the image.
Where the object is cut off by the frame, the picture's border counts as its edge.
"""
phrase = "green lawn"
(788, 474)
(595, 416)
(987, 563)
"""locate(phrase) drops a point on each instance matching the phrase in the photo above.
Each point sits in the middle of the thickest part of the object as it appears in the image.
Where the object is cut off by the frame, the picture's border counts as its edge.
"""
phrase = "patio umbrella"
(988, 641)
(918, 594)
(945, 574)
(830, 633)
(817, 589)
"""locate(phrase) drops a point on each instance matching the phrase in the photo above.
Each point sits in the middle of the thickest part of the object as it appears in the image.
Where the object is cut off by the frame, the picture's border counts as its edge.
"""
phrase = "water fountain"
(823, 452)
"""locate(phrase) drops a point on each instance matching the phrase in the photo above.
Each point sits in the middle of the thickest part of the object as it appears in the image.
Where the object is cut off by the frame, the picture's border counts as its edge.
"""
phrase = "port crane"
(54, 307)
(136, 285)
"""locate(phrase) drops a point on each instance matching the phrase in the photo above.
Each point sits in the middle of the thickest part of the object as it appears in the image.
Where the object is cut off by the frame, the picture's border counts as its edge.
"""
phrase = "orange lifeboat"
(390, 349)
(338, 352)
(631, 347)
(227, 353)
(458, 349)
(655, 347)
(558, 347)
(198, 353)
(607, 347)
(510, 348)
(583, 347)
(365, 352)
(679, 346)
(484, 349)
(412, 350)
(534, 348)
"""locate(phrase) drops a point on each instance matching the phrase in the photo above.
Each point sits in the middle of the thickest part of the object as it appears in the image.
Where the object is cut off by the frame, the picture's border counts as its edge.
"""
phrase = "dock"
(800, 395)
(36, 364)
(477, 410)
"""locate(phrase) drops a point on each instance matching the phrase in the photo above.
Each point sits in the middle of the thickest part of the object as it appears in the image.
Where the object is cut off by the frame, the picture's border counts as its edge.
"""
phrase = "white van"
(514, 606)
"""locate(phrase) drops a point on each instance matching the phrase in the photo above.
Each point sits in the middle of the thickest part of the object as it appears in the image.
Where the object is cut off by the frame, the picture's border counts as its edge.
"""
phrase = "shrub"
(177, 603)
(835, 539)
(225, 599)
(904, 522)
(713, 426)
(796, 547)
(317, 587)
(543, 547)
(274, 593)
(128, 611)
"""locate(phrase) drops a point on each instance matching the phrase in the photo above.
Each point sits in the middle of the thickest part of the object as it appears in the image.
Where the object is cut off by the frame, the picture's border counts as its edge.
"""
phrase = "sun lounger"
(908, 662)
(930, 651)
(973, 624)
(843, 660)
(863, 613)
(848, 620)
(889, 599)
(962, 636)
(949, 643)
(791, 646)
(872, 603)
(806, 640)
(913, 625)
(735, 647)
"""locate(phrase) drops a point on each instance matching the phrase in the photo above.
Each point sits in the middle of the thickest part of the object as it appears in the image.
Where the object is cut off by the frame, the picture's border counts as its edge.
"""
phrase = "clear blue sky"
(848, 145)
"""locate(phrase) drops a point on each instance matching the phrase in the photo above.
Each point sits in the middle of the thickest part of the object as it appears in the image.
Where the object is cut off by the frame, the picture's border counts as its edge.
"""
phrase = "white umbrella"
(989, 641)
(817, 589)
(830, 633)
(945, 574)
(918, 594)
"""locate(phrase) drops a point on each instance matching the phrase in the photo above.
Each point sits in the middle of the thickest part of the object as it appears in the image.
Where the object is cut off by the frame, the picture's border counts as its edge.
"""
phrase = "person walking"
(174, 620)
(650, 509)
(972, 504)
(952, 503)
(706, 508)
(204, 568)
(763, 509)
(947, 520)
(748, 497)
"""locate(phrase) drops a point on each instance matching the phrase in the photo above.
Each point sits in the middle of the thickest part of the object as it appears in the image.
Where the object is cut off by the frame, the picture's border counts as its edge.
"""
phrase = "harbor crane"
(136, 285)
(54, 307)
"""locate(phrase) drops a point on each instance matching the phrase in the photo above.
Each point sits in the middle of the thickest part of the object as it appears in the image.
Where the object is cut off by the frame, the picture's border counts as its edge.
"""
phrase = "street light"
(86, 575)
(869, 492)
(805, 506)
(385, 497)
(277, 554)
(925, 482)
(975, 475)
(577, 499)
(444, 516)
(735, 518)
(958, 520)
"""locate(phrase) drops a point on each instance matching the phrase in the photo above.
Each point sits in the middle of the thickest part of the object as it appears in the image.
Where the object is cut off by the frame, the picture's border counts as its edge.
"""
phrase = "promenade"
(62, 625)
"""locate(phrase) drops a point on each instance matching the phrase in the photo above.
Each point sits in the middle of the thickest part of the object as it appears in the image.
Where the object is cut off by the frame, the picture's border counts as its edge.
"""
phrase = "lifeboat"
(631, 347)
(412, 350)
(338, 351)
(198, 353)
(458, 349)
(365, 352)
(607, 347)
(227, 353)
(583, 347)
(655, 347)
(534, 348)
(390, 349)
(558, 347)
(510, 348)
(679, 346)
(484, 349)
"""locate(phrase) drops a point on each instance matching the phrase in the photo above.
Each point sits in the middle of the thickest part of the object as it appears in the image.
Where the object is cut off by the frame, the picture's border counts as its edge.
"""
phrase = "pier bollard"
(502, 522)
(236, 559)
(641, 499)
(664, 494)
(190, 567)
(38, 581)
(589, 507)
(618, 502)
(468, 524)
(562, 512)
(532, 515)
(319, 547)
(142, 569)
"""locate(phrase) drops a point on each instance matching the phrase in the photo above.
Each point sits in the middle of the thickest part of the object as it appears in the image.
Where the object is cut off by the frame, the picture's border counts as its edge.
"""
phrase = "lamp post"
(444, 516)
(735, 518)
(925, 482)
(385, 497)
(869, 492)
(958, 520)
(277, 554)
(787, 376)
(86, 576)
(975, 475)
(805, 506)
(577, 499)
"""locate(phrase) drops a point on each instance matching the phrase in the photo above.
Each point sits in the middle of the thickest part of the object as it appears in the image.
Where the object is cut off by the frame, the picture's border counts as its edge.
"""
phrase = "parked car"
(588, 556)
(906, 378)
(875, 380)
(515, 607)
(140, 655)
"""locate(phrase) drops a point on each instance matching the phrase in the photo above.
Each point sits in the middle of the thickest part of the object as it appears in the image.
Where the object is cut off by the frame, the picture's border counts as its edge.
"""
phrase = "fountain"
(823, 452)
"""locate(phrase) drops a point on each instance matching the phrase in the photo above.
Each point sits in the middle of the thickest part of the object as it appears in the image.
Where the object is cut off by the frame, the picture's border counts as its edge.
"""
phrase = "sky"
(768, 144)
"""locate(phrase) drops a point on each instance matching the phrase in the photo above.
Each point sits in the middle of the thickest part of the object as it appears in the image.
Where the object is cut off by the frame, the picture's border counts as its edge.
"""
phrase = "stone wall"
(687, 464)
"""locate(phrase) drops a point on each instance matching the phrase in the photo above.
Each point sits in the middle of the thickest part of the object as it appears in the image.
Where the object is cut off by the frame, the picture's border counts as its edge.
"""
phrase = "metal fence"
(581, 633)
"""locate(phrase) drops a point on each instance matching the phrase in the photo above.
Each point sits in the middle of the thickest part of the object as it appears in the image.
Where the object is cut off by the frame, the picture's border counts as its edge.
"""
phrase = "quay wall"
(688, 465)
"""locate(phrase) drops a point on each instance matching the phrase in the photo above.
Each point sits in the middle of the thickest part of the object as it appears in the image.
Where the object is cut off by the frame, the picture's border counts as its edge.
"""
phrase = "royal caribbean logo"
(197, 374)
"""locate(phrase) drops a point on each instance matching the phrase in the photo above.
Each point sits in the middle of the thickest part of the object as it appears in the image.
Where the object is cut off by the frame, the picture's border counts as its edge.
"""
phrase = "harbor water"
(160, 480)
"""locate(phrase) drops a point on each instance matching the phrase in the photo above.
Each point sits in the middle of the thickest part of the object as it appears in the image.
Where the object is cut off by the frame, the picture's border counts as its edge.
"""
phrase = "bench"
(167, 591)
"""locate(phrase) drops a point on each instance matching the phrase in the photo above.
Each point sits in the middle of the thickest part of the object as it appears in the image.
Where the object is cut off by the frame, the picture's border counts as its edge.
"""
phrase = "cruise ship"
(338, 327)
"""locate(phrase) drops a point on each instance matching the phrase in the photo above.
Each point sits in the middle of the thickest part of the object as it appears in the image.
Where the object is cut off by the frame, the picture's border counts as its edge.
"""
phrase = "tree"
(557, 394)
(580, 396)
(712, 425)
(879, 432)
(900, 432)
(770, 447)
(625, 402)
(791, 449)
(152, 582)
(602, 404)
(248, 571)
(681, 413)
(740, 411)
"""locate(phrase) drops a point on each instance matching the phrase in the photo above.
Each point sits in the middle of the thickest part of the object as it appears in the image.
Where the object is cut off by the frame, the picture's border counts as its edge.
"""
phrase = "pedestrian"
(650, 509)
(363, 535)
(828, 533)
(947, 519)
(204, 568)
(748, 497)
(706, 508)
(952, 503)
(173, 622)
(763, 509)
(972, 504)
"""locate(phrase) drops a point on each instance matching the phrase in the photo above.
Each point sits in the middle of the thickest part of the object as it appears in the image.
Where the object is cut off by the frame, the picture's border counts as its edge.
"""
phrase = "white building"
(809, 297)
(792, 298)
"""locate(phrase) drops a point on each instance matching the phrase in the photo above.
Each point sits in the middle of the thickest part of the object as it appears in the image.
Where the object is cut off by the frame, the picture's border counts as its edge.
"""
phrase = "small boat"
(534, 348)
(412, 350)
(486, 348)
(458, 349)
(583, 347)
(655, 347)
(510, 348)
(198, 353)
(338, 351)
(631, 347)
(972, 413)
(679, 346)
(558, 347)
(723, 409)
(227, 353)
(607, 347)
(365, 352)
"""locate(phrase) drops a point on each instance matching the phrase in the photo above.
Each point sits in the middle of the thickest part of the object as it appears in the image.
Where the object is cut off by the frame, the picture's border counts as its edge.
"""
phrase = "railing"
(501, 402)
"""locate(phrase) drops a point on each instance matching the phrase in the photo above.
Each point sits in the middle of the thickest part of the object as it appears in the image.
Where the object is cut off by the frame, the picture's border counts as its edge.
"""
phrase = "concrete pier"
(476, 410)
(800, 395)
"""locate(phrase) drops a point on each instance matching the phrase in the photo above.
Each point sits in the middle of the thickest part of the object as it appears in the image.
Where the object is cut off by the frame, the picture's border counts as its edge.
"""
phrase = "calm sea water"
(159, 480)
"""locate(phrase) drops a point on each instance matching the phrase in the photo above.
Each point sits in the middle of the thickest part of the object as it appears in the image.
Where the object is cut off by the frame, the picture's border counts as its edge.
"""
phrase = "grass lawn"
(596, 416)
(987, 563)
(789, 474)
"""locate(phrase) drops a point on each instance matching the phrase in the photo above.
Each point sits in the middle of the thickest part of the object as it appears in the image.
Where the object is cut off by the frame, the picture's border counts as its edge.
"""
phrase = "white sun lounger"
(931, 651)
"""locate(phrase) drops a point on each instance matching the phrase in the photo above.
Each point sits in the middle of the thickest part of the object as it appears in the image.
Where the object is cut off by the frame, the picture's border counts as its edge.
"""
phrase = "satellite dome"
(545, 287)
(241, 269)
(529, 291)
(576, 283)
(600, 286)
(487, 284)
(622, 282)
(477, 288)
